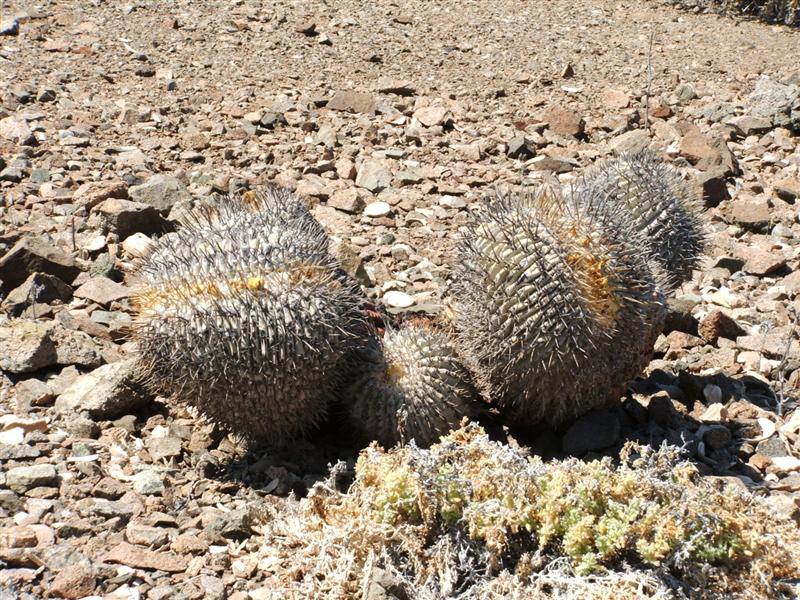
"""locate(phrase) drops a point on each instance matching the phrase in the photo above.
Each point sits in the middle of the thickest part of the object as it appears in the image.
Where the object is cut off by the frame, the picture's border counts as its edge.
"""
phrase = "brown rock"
(704, 152)
(188, 544)
(400, 87)
(760, 260)
(73, 582)
(347, 200)
(773, 344)
(140, 558)
(717, 324)
(102, 290)
(430, 116)
(94, 192)
(616, 99)
(563, 122)
(787, 189)
(350, 101)
(125, 217)
(31, 255)
(751, 213)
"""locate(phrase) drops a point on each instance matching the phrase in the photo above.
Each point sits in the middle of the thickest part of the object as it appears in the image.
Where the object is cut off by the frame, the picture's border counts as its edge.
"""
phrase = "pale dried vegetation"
(474, 518)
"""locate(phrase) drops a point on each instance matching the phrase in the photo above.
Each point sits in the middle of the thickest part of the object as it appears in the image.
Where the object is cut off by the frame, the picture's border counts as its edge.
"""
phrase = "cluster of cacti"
(557, 298)
(244, 315)
(774, 11)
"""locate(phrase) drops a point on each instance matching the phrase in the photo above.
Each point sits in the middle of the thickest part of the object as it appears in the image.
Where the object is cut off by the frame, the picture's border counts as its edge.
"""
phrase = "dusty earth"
(394, 120)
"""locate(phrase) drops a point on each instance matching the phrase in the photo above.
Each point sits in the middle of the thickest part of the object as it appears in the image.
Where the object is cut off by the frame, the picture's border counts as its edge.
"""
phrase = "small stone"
(377, 209)
(9, 26)
(373, 176)
(233, 525)
(22, 479)
(630, 141)
(616, 99)
(141, 558)
(753, 214)
(107, 392)
(521, 147)
(161, 192)
(13, 129)
(787, 189)
(400, 87)
(347, 200)
(595, 430)
(431, 116)
(747, 125)
(137, 245)
(31, 255)
(74, 582)
(562, 122)
(307, 28)
(94, 192)
(164, 447)
(26, 346)
(761, 261)
(188, 544)
(145, 535)
(717, 324)
(350, 101)
(148, 483)
(102, 290)
(345, 168)
(704, 152)
(470, 152)
(397, 299)
(712, 184)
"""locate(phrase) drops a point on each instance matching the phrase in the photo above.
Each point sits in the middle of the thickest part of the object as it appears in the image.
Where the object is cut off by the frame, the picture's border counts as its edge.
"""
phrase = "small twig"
(649, 79)
(72, 232)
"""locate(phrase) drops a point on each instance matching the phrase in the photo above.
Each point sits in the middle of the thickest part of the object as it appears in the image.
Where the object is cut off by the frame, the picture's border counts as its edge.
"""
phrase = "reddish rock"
(102, 290)
(94, 192)
(760, 260)
(141, 558)
(563, 122)
(752, 213)
(787, 189)
(717, 324)
(430, 116)
(73, 582)
(616, 99)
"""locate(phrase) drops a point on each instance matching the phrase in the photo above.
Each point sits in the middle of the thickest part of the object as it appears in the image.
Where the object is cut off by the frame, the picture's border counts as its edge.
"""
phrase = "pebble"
(377, 209)
(373, 176)
(23, 479)
(107, 392)
(397, 299)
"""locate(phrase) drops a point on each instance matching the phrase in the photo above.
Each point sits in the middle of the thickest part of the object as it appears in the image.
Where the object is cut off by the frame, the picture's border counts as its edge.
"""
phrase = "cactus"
(659, 204)
(554, 303)
(408, 385)
(244, 315)
(773, 11)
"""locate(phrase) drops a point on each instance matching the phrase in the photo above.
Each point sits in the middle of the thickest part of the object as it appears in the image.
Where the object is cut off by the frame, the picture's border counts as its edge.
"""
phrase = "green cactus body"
(554, 303)
(658, 203)
(408, 385)
(243, 315)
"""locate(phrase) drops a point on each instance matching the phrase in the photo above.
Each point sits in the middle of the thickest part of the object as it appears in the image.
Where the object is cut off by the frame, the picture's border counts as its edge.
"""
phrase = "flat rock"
(562, 122)
(22, 479)
(94, 192)
(102, 290)
(630, 141)
(753, 214)
(107, 392)
(761, 261)
(26, 346)
(401, 87)
(787, 189)
(373, 176)
(141, 558)
(351, 101)
(347, 200)
(748, 125)
(377, 209)
(32, 255)
(161, 192)
(74, 582)
(397, 299)
(431, 116)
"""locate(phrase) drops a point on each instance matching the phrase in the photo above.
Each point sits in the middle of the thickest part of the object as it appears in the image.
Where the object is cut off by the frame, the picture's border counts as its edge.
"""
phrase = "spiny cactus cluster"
(557, 298)
(244, 315)
(555, 303)
(410, 384)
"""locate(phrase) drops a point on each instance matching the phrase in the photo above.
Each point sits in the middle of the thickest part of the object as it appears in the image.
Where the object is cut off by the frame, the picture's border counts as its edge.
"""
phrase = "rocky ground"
(394, 120)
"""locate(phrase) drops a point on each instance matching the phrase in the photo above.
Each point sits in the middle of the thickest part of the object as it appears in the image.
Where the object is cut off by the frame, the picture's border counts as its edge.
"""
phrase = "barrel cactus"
(659, 204)
(555, 303)
(409, 384)
(243, 315)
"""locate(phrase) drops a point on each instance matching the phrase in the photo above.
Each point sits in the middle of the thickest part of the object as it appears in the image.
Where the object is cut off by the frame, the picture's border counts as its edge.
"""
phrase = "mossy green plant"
(482, 519)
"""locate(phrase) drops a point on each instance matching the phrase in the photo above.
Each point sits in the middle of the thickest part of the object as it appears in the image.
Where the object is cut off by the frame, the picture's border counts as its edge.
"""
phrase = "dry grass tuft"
(473, 518)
